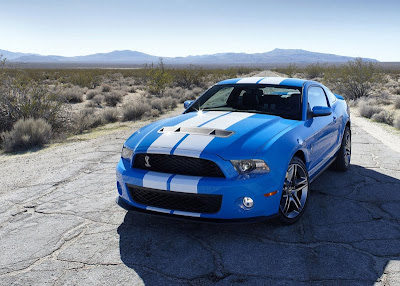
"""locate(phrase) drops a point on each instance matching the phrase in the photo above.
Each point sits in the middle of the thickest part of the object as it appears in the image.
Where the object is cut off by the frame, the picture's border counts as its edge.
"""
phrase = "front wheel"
(342, 162)
(295, 192)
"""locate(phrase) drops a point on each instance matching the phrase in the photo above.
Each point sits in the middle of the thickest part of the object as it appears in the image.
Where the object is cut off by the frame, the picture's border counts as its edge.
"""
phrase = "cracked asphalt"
(59, 225)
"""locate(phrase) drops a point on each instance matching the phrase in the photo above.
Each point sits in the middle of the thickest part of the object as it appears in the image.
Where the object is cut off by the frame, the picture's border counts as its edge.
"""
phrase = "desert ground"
(60, 225)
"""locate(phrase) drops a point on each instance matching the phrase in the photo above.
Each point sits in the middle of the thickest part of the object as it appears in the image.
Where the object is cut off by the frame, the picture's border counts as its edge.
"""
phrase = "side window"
(316, 97)
(331, 97)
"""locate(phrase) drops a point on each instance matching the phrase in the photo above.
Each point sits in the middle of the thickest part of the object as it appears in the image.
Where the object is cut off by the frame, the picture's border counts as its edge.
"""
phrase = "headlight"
(126, 153)
(250, 166)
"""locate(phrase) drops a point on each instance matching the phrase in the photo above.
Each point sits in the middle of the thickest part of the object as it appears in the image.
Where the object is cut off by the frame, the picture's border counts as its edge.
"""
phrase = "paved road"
(59, 225)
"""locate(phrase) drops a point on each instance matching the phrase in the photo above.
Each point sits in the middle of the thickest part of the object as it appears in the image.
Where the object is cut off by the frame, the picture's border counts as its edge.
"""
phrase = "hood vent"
(197, 131)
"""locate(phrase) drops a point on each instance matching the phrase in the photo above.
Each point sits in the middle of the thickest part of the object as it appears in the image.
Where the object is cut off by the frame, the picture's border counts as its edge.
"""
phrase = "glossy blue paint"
(255, 136)
(321, 111)
(187, 103)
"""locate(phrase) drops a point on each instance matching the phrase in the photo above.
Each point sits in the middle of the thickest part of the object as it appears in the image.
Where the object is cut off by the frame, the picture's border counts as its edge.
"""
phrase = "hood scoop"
(197, 131)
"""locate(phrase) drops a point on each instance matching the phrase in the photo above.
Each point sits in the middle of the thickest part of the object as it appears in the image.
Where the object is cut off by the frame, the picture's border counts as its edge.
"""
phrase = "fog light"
(247, 202)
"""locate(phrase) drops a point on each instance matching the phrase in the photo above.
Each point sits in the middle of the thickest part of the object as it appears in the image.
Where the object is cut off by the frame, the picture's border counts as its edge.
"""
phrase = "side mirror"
(187, 103)
(321, 111)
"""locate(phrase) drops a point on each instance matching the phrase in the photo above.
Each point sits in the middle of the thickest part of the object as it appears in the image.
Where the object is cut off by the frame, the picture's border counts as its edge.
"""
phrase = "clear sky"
(179, 28)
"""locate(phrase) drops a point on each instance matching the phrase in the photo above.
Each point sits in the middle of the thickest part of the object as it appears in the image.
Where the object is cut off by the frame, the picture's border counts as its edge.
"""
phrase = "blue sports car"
(247, 148)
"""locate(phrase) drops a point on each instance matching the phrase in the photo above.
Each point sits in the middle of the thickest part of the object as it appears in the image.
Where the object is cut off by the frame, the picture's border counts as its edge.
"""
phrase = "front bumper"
(231, 189)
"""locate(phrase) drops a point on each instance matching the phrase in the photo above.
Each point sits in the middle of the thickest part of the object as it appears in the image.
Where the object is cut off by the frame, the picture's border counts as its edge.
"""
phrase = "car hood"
(231, 135)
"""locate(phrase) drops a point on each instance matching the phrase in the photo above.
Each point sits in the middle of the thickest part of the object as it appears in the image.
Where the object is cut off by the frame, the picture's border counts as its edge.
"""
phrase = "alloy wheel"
(295, 191)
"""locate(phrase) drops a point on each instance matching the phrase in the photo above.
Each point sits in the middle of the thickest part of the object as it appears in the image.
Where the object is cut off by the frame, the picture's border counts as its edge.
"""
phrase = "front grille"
(196, 203)
(180, 165)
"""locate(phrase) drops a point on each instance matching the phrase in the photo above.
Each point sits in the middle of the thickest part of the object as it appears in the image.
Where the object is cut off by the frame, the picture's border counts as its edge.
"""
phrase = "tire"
(343, 157)
(295, 192)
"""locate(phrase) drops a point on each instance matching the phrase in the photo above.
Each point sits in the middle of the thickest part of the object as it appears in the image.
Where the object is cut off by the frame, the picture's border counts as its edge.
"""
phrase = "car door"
(324, 127)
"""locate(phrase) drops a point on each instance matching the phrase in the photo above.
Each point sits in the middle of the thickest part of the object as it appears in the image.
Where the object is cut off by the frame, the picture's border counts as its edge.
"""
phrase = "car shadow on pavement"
(349, 235)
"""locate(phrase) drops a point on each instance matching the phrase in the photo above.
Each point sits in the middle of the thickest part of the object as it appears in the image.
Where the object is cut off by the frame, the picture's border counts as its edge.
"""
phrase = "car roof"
(266, 80)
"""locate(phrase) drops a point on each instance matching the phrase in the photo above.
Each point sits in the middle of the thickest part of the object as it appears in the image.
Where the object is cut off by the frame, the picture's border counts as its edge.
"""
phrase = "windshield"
(266, 99)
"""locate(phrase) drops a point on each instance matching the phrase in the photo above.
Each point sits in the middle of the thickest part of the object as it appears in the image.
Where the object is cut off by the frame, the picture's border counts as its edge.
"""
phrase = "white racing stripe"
(155, 180)
(184, 184)
(272, 80)
(249, 80)
(197, 143)
(168, 140)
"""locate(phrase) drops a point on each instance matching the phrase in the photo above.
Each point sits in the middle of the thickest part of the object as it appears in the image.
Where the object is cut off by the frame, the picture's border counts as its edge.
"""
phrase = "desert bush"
(98, 99)
(384, 98)
(189, 77)
(157, 103)
(72, 94)
(84, 78)
(28, 100)
(383, 117)
(135, 110)
(155, 113)
(397, 103)
(290, 70)
(160, 79)
(91, 104)
(86, 119)
(90, 94)
(353, 80)
(163, 103)
(396, 122)
(110, 115)
(396, 90)
(169, 102)
(105, 88)
(26, 134)
(113, 98)
(181, 94)
(367, 109)
(314, 71)
(352, 103)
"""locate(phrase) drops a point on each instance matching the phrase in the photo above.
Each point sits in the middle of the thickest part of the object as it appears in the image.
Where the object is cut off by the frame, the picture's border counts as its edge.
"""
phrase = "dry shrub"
(91, 104)
(367, 109)
(156, 103)
(110, 115)
(98, 99)
(396, 122)
(383, 117)
(105, 88)
(169, 102)
(384, 98)
(354, 80)
(26, 134)
(90, 94)
(135, 110)
(155, 113)
(73, 94)
(21, 100)
(397, 103)
(395, 90)
(113, 98)
(182, 94)
(86, 119)
(163, 103)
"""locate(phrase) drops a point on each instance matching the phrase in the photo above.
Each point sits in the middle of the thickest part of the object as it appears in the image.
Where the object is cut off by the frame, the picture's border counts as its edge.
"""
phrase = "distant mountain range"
(276, 56)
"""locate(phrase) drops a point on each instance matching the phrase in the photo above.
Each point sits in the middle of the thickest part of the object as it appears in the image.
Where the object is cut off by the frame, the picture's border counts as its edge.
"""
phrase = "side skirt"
(323, 169)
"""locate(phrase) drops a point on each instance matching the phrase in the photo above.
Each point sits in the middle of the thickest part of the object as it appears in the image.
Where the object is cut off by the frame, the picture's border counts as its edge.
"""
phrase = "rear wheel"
(342, 162)
(295, 192)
